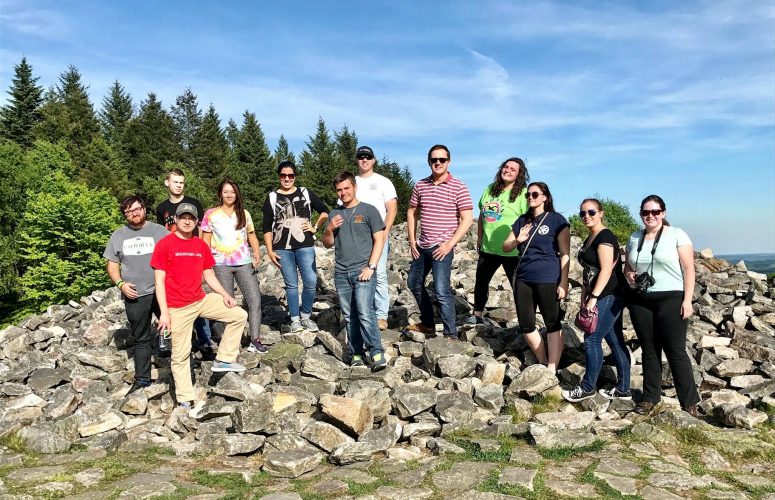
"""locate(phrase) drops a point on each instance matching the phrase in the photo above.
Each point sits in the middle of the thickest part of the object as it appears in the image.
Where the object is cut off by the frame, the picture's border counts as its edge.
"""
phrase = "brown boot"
(644, 408)
(382, 323)
(419, 327)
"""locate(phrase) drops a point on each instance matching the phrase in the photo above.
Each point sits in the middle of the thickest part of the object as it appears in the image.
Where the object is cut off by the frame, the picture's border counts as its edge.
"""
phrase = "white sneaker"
(309, 325)
(296, 326)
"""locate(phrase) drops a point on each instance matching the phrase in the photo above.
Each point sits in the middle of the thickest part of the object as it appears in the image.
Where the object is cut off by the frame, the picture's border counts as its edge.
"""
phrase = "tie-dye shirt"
(229, 245)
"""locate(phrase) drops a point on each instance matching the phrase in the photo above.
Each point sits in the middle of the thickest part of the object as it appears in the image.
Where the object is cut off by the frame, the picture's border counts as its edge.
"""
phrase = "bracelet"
(120, 283)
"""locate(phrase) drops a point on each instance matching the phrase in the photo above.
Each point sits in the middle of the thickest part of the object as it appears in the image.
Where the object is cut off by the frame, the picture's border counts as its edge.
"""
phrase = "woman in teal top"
(499, 207)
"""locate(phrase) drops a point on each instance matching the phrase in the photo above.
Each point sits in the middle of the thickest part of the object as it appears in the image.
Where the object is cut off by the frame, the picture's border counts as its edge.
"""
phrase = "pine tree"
(346, 146)
(210, 149)
(22, 113)
(188, 119)
(402, 180)
(232, 134)
(253, 169)
(117, 110)
(53, 125)
(282, 152)
(82, 124)
(319, 165)
(101, 168)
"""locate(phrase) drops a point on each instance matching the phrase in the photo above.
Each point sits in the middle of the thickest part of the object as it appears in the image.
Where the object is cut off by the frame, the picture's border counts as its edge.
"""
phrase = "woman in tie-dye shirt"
(228, 229)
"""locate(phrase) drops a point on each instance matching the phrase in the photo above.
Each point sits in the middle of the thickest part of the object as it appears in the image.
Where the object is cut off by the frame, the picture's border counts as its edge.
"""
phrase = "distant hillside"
(759, 262)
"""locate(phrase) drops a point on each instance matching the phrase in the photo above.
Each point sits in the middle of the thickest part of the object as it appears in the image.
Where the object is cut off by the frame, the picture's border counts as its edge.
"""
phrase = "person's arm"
(480, 232)
(629, 272)
(514, 240)
(270, 250)
(411, 228)
(207, 237)
(686, 258)
(253, 242)
(605, 257)
(563, 241)
(466, 219)
(215, 285)
(161, 297)
(378, 240)
(322, 218)
(391, 209)
(321, 208)
(127, 288)
(328, 235)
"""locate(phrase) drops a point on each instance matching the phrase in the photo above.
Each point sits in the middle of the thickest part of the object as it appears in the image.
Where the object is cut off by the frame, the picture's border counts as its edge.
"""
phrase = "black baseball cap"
(364, 150)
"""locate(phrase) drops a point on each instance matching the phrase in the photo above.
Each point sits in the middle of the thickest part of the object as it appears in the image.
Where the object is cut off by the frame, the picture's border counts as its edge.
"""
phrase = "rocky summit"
(476, 418)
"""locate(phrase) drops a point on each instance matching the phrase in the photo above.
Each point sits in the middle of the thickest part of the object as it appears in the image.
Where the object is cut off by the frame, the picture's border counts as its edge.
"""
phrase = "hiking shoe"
(419, 327)
(475, 320)
(695, 411)
(644, 408)
(577, 394)
(296, 326)
(184, 405)
(256, 346)
(221, 366)
(309, 325)
(138, 384)
(378, 362)
(615, 393)
(382, 324)
(356, 360)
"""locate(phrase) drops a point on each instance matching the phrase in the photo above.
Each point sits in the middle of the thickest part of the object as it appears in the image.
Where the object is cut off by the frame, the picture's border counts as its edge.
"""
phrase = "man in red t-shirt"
(180, 260)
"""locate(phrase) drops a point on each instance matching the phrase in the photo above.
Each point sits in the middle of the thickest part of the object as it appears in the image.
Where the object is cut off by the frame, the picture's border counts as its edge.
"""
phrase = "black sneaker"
(256, 346)
(475, 320)
(356, 360)
(615, 393)
(379, 362)
(577, 394)
(139, 384)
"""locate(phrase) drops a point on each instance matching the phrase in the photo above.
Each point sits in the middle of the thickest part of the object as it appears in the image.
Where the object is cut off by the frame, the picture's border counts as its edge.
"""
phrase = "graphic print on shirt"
(492, 211)
(543, 230)
(286, 217)
(169, 222)
(142, 245)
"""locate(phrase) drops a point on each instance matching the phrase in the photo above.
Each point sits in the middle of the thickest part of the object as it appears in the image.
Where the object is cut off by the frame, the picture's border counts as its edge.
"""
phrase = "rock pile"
(64, 375)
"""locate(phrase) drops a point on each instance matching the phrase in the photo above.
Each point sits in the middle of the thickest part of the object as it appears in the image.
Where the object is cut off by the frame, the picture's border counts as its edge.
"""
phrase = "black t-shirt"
(541, 258)
(589, 259)
(285, 220)
(165, 213)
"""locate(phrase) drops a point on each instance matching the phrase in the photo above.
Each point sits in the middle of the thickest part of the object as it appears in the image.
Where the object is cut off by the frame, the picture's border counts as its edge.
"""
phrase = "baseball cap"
(364, 150)
(187, 208)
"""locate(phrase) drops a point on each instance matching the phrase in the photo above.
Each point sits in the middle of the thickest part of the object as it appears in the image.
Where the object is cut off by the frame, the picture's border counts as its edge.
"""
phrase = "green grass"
(547, 403)
(566, 452)
(474, 452)
(14, 442)
(588, 477)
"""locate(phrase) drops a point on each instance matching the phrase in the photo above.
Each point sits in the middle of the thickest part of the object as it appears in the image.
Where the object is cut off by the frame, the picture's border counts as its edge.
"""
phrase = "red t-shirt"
(183, 261)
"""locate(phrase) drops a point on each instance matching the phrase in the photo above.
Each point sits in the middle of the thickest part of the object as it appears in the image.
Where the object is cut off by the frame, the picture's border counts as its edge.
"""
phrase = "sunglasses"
(287, 176)
(591, 213)
(653, 213)
(533, 194)
(365, 157)
(434, 161)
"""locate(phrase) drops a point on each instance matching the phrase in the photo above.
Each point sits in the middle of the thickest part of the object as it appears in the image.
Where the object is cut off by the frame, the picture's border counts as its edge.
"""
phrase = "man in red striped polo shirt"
(444, 206)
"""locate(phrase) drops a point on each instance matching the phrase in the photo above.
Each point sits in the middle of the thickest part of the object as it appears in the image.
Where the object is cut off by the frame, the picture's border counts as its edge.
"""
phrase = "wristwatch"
(373, 267)
(594, 296)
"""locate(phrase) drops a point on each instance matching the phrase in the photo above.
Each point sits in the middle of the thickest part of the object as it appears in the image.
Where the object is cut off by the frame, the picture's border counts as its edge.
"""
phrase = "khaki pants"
(182, 320)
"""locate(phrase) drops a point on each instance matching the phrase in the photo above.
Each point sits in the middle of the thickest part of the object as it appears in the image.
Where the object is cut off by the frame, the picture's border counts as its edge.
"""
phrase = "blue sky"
(617, 99)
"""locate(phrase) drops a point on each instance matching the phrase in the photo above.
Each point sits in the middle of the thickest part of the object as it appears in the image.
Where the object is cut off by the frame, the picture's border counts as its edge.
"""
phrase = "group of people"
(159, 270)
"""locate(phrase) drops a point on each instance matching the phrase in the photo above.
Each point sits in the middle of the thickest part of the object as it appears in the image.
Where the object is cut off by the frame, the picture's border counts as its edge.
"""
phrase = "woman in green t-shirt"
(499, 207)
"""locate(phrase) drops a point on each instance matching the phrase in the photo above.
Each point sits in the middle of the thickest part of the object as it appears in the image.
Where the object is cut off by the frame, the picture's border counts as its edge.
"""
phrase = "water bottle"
(165, 343)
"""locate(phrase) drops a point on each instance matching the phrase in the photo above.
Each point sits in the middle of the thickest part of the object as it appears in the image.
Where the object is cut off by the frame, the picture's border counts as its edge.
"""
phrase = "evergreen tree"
(346, 146)
(82, 124)
(117, 110)
(150, 141)
(253, 169)
(22, 113)
(282, 152)
(232, 134)
(319, 165)
(101, 168)
(188, 119)
(402, 180)
(53, 125)
(210, 149)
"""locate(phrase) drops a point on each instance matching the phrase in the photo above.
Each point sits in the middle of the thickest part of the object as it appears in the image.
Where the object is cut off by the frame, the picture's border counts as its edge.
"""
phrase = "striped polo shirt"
(440, 206)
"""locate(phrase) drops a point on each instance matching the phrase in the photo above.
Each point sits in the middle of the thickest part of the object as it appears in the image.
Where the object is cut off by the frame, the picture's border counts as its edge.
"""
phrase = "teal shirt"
(667, 272)
(498, 214)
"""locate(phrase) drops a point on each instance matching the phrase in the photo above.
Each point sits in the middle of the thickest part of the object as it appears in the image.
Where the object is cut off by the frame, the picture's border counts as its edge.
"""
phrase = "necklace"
(352, 213)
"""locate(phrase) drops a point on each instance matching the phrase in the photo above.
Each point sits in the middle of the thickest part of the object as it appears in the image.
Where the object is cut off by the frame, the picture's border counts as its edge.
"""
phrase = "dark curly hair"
(498, 184)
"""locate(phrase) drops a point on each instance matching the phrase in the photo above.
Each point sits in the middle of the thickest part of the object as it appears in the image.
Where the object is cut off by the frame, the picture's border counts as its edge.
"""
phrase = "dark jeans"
(609, 327)
(544, 296)
(656, 317)
(356, 299)
(486, 267)
(442, 271)
(139, 312)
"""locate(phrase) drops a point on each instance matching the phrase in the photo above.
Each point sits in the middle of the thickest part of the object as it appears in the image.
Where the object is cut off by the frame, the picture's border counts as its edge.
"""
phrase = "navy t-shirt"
(541, 261)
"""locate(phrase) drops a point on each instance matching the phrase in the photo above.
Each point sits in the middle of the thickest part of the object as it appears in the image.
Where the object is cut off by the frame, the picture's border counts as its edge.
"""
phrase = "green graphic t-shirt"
(498, 214)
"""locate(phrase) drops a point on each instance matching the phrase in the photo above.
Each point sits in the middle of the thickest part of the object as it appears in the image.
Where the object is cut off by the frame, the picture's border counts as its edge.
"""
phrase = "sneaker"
(451, 337)
(419, 327)
(615, 393)
(220, 366)
(296, 326)
(184, 405)
(309, 325)
(139, 384)
(695, 411)
(379, 362)
(475, 320)
(577, 394)
(256, 346)
(356, 360)
(382, 324)
(644, 408)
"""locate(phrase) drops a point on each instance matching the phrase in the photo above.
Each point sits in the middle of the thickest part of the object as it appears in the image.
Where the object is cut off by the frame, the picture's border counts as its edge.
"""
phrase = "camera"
(643, 282)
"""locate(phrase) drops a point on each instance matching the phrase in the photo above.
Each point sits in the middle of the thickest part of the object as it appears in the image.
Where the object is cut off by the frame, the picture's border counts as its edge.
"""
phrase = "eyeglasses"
(533, 194)
(591, 212)
(287, 176)
(434, 161)
(365, 157)
(653, 213)
(133, 211)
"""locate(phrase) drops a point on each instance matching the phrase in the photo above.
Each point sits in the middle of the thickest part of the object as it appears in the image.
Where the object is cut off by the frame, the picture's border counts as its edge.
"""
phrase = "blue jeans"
(381, 296)
(609, 327)
(203, 333)
(442, 271)
(295, 261)
(362, 326)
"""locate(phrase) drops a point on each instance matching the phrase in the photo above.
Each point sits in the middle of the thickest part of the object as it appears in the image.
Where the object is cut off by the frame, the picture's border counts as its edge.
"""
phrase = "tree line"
(64, 165)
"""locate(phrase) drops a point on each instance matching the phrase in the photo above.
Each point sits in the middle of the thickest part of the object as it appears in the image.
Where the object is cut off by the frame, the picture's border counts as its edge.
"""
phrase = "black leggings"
(486, 267)
(656, 317)
(543, 295)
